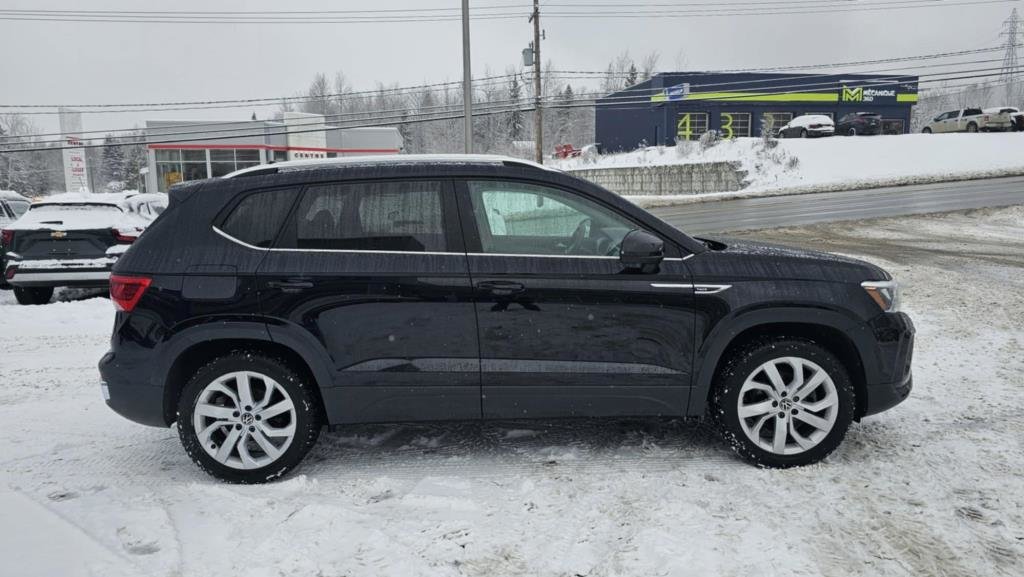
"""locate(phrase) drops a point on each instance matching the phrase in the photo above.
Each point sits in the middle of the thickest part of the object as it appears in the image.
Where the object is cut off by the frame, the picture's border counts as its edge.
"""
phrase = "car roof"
(388, 160)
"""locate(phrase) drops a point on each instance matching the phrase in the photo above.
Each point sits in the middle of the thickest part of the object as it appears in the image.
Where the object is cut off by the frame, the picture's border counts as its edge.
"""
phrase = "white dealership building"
(192, 150)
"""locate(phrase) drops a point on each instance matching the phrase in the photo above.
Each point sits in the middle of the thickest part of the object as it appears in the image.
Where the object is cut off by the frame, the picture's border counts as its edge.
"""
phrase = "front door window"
(525, 219)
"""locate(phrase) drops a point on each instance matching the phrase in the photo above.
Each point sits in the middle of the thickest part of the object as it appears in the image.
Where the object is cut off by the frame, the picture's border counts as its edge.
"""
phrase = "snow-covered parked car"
(72, 240)
(808, 125)
(12, 206)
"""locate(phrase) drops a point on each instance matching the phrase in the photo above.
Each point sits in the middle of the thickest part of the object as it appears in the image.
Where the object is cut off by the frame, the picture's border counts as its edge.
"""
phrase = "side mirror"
(641, 251)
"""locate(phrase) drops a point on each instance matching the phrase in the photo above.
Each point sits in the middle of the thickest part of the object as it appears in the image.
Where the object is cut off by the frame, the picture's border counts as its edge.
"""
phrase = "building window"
(227, 161)
(691, 125)
(734, 124)
(775, 120)
(168, 169)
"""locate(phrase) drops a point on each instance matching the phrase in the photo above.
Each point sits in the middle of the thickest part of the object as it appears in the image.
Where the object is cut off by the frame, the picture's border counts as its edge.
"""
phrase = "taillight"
(11, 271)
(815, 126)
(126, 291)
(125, 235)
(6, 238)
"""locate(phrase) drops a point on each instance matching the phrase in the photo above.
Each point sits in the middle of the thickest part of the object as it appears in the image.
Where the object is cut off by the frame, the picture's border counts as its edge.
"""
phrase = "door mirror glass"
(641, 251)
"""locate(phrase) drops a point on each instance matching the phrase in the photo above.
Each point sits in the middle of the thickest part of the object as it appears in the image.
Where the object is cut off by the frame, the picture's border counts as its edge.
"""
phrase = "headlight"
(885, 293)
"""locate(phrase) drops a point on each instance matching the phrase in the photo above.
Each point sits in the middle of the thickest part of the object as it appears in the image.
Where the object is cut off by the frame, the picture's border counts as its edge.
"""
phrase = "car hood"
(744, 259)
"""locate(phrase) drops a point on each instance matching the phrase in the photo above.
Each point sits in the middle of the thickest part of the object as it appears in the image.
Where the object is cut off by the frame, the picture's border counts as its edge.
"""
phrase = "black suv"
(267, 304)
(860, 123)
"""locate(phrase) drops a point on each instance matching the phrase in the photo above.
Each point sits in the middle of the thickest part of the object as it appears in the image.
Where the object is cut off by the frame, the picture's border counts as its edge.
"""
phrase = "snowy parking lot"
(933, 487)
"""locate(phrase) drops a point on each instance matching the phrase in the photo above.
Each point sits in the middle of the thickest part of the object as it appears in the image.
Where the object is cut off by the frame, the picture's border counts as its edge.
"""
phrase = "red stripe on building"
(269, 147)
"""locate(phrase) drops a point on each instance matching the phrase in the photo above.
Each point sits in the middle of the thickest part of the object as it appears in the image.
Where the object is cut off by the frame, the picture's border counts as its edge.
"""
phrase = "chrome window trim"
(671, 285)
(341, 250)
(358, 251)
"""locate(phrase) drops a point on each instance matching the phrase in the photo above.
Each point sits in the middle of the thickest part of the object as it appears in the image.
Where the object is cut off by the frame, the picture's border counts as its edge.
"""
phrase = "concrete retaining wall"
(671, 179)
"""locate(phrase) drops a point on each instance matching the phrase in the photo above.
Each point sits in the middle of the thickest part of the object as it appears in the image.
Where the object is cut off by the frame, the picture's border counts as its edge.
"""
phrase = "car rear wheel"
(852, 132)
(248, 417)
(803, 133)
(972, 127)
(926, 130)
(783, 402)
(33, 295)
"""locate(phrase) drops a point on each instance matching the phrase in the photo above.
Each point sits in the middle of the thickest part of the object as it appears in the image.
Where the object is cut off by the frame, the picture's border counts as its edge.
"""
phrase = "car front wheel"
(783, 402)
(248, 417)
(33, 295)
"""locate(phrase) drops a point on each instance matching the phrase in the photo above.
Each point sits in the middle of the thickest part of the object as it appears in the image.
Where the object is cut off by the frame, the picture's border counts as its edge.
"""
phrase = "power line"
(631, 94)
(732, 11)
(418, 118)
(248, 102)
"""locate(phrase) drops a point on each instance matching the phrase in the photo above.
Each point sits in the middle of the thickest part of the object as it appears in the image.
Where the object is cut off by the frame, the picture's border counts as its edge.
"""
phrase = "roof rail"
(297, 165)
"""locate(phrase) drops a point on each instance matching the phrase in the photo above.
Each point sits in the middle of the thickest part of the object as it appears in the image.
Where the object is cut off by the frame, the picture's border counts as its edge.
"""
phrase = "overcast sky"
(53, 62)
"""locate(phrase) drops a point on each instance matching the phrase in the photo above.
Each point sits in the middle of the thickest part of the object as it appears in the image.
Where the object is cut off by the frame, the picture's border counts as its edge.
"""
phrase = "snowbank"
(838, 162)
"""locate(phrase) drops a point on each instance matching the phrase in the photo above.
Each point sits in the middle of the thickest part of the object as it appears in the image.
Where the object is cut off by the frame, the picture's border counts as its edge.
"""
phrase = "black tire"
(926, 130)
(972, 127)
(33, 295)
(745, 361)
(304, 397)
(852, 132)
(803, 133)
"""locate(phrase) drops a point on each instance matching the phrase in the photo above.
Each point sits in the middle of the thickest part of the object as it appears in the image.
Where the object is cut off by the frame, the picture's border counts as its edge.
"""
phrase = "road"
(774, 211)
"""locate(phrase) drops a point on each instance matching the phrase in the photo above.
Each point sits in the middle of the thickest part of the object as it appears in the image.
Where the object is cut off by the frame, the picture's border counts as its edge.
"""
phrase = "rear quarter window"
(258, 217)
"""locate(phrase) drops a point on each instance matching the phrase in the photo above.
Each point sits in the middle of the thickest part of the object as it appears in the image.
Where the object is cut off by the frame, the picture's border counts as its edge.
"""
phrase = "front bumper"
(894, 334)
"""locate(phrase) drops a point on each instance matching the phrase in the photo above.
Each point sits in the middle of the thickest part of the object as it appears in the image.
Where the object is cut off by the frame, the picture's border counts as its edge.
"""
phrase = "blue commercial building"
(676, 106)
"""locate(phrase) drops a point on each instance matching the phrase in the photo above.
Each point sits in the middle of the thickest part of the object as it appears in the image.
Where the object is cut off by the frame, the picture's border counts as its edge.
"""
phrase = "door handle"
(291, 285)
(501, 288)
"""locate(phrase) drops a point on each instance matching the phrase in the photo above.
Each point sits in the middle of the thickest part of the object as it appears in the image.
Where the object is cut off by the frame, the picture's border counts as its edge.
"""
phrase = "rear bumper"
(21, 273)
(135, 401)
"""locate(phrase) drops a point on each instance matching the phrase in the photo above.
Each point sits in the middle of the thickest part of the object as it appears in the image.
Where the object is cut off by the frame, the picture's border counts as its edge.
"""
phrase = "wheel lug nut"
(783, 393)
(235, 414)
(238, 426)
(259, 418)
(782, 415)
(795, 411)
(775, 403)
(796, 399)
(252, 429)
(248, 408)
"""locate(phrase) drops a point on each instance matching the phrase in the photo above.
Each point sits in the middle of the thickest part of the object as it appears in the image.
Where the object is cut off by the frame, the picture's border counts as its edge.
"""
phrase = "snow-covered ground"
(933, 487)
(837, 162)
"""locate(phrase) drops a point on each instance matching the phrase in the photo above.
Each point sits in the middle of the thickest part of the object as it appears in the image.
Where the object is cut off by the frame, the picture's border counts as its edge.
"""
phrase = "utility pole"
(1010, 73)
(467, 81)
(538, 115)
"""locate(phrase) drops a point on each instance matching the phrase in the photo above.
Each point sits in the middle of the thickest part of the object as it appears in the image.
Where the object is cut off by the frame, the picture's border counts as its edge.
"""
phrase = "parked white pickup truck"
(970, 120)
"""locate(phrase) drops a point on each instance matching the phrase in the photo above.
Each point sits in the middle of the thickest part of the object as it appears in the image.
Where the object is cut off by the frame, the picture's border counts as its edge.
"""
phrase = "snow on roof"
(391, 159)
(111, 198)
(11, 195)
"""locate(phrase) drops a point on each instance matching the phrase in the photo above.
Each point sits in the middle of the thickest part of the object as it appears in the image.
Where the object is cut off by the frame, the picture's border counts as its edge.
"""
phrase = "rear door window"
(405, 216)
(258, 217)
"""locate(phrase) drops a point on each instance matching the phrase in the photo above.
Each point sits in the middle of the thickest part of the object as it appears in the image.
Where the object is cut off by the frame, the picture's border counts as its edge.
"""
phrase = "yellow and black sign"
(853, 94)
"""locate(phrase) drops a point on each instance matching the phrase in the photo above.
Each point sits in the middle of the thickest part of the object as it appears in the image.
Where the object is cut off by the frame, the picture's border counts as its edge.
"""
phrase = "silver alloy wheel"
(238, 430)
(788, 405)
